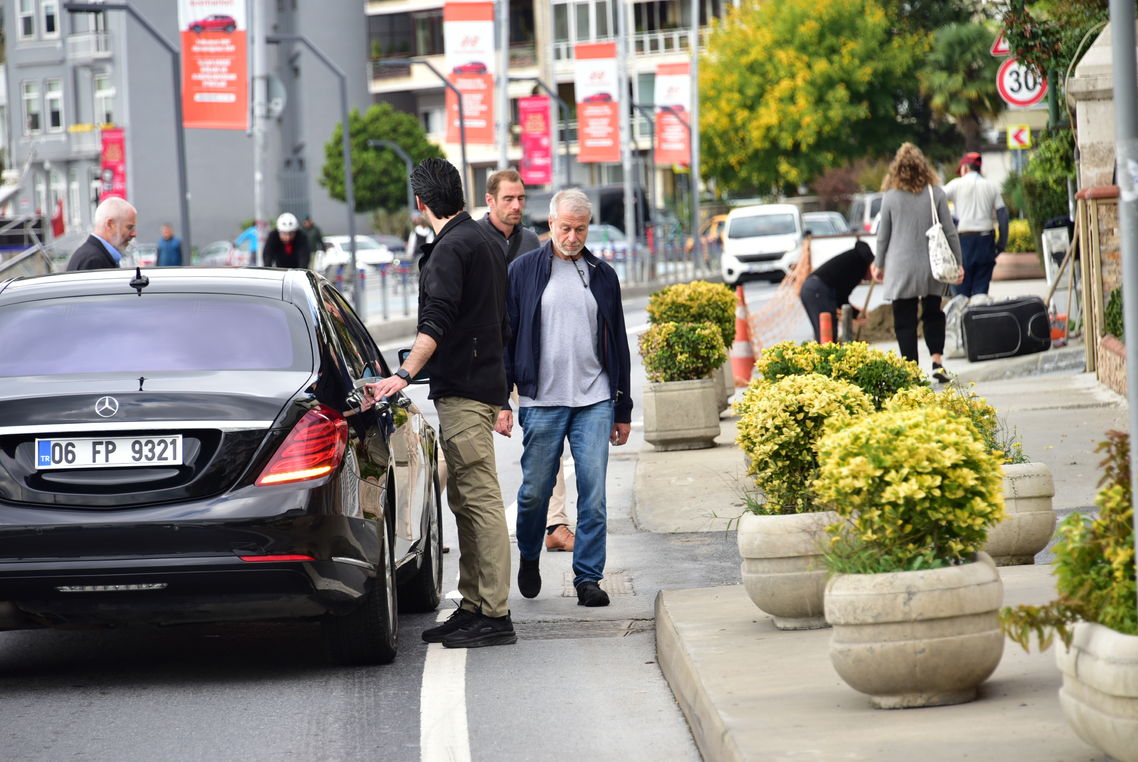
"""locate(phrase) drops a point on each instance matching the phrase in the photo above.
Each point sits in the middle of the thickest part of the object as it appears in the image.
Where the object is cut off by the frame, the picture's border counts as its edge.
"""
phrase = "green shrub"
(965, 405)
(1045, 181)
(879, 374)
(916, 489)
(1019, 236)
(695, 302)
(1113, 321)
(779, 425)
(1094, 563)
(681, 351)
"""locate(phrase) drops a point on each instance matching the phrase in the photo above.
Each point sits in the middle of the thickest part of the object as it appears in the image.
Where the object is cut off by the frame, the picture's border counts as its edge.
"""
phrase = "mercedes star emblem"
(107, 406)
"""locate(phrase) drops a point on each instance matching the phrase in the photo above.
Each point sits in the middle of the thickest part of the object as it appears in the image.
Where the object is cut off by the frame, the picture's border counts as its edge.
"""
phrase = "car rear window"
(151, 334)
(762, 224)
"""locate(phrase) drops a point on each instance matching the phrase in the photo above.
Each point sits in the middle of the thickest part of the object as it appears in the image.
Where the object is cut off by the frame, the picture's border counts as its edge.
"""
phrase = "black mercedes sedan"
(194, 445)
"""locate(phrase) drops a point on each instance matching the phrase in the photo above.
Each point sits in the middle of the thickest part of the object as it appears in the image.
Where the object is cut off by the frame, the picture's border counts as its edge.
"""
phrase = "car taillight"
(313, 449)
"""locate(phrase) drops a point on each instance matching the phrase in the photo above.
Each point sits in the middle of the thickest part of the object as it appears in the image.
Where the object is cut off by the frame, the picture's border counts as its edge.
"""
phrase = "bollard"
(826, 328)
(845, 332)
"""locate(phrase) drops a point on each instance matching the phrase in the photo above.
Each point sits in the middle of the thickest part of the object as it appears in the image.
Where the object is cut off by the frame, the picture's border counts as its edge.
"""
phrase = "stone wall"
(1111, 368)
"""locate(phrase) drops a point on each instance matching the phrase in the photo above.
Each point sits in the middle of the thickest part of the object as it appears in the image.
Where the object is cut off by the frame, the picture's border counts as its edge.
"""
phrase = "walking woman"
(902, 261)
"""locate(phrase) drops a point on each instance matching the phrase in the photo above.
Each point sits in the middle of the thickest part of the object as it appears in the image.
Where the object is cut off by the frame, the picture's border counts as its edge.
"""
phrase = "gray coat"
(903, 250)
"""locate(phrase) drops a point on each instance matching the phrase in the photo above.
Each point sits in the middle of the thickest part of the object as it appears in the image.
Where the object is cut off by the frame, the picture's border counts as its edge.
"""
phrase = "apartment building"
(70, 75)
(543, 34)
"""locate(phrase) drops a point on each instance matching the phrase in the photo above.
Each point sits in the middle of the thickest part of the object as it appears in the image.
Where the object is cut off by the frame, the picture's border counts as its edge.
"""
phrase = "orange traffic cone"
(826, 328)
(742, 356)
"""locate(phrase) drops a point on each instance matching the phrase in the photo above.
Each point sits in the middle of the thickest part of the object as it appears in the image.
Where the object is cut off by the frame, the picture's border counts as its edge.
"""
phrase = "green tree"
(379, 175)
(791, 88)
(1048, 34)
(959, 79)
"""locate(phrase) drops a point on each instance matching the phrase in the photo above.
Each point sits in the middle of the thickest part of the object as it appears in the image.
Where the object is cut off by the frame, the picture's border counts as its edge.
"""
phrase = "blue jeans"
(544, 430)
(978, 250)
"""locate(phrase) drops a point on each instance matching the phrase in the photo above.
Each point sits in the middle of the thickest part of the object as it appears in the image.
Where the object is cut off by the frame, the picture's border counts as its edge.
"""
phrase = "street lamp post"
(564, 112)
(646, 112)
(398, 149)
(401, 62)
(179, 136)
(346, 151)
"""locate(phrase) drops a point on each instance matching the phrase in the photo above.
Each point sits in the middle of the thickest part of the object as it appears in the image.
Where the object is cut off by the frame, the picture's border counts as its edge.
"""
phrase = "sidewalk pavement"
(752, 692)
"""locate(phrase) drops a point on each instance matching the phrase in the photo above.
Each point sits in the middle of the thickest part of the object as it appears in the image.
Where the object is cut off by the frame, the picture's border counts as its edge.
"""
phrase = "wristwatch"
(403, 374)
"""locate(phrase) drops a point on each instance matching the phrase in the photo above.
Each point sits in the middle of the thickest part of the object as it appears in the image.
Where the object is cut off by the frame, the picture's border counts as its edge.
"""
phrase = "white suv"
(758, 239)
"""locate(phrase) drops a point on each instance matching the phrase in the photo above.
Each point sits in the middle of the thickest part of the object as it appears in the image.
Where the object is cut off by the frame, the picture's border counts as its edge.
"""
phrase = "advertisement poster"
(468, 38)
(112, 168)
(215, 90)
(536, 137)
(673, 89)
(598, 98)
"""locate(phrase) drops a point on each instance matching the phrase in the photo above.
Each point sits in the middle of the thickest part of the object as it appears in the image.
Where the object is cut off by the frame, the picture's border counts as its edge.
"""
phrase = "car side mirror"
(421, 377)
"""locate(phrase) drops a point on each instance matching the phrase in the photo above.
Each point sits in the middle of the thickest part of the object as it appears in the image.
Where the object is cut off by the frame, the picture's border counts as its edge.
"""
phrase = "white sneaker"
(978, 299)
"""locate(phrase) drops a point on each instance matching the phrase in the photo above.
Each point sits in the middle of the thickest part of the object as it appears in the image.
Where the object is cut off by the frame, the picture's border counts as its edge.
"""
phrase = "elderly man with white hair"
(115, 220)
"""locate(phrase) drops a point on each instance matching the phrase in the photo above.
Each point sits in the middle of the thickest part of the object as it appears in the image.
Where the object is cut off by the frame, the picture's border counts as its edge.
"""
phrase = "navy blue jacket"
(529, 275)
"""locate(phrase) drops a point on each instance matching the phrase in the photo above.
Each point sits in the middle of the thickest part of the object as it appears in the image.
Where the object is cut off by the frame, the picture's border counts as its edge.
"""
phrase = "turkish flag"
(57, 219)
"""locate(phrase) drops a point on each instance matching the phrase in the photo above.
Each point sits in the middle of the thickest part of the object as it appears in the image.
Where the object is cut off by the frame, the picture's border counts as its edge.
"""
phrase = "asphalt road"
(580, 683)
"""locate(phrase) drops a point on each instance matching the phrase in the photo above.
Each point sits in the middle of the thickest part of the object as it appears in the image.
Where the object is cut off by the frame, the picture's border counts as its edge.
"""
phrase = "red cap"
(972, 158)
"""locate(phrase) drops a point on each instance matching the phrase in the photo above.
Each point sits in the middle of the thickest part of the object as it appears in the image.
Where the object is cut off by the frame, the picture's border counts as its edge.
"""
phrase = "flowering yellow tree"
(791, 88)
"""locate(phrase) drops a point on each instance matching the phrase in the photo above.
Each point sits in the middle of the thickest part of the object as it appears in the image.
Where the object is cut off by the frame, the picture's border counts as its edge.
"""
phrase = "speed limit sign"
(1020, 85)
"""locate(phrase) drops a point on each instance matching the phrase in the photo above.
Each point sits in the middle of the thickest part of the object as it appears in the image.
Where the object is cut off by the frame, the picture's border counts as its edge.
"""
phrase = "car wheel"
(229, 27)
(196, 29)
(370, 633)
(423, 591)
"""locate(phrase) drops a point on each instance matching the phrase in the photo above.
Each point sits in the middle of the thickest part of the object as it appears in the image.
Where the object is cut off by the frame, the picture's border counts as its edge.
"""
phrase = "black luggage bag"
(1006, 329)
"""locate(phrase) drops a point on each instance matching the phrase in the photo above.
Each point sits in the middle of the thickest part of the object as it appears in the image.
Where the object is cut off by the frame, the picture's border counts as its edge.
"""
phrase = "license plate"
(108, 452)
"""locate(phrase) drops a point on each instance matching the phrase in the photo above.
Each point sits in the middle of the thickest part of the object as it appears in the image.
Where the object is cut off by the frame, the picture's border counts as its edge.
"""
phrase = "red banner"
(215, 89)
(112, 173)
(537, 158)
(673, 96)
(468, 38)
(598, 103)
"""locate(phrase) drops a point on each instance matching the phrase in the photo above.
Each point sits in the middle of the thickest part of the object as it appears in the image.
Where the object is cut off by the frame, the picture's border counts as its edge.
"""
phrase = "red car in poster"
(598, 98)
(474, 67)
(217, 22)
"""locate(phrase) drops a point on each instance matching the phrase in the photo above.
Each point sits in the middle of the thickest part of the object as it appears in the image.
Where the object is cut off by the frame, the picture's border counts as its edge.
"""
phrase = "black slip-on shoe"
(529, 578)
(589, 593)
(459, 618)
(483, 631)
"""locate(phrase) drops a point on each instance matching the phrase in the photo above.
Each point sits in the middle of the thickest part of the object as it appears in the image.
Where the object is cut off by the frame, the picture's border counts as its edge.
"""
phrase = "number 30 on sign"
(1020, 85)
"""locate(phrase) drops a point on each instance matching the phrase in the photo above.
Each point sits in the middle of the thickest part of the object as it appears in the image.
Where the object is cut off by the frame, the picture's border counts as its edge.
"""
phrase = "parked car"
(609, 243)
(140, 255)
(211, 458)
(337, 254)
(217, 22)
(225, 254)
(864, 209)
(826, 223)
(756, 241)
(710, 233)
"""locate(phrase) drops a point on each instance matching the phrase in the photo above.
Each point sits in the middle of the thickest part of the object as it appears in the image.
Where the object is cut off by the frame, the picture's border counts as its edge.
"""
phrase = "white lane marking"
(443, 732)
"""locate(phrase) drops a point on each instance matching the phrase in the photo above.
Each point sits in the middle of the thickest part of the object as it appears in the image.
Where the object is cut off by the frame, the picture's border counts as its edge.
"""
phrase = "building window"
(104, 99)
(428, 33)
(560, 23)
(581, 10)
(603, 25)
(53, 100)
(49, 12)
(33, 116)
(26, 19)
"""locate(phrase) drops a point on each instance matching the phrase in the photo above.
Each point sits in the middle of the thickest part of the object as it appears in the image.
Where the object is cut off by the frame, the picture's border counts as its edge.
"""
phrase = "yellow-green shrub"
(695, 302)
(681, 351)
(916, 489)
(878, 374)
(778, 427)
(1019, 236)
(964, 404)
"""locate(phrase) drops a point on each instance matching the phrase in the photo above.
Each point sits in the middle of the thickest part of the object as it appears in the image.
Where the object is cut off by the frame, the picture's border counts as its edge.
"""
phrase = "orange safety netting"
(780, 317)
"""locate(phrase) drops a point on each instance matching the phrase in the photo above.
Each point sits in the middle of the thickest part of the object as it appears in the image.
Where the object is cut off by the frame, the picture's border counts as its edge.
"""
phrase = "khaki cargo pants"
(466, 428)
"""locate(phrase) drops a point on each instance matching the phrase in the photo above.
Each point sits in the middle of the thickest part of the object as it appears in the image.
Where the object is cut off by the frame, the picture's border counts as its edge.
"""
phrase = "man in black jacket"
(112, 232)
(462, 333)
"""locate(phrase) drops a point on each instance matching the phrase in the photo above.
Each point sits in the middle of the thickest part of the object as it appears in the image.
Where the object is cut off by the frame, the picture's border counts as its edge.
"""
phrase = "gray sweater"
(903, 249)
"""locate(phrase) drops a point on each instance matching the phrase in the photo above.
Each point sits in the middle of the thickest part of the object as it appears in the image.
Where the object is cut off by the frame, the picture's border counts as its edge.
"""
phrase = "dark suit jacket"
(91, 255)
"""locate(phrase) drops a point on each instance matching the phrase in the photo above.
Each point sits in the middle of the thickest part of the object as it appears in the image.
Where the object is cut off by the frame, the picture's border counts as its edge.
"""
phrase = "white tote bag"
(943, 263)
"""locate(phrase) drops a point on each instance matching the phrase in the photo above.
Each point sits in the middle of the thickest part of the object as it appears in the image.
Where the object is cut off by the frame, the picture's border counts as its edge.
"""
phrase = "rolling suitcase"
(1006, 329)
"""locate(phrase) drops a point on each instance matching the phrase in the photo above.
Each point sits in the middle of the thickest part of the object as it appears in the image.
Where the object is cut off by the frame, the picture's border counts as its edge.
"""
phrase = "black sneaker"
(589, 593)
(459, 618)
(529, 578)
(483, 631)
(940, 375)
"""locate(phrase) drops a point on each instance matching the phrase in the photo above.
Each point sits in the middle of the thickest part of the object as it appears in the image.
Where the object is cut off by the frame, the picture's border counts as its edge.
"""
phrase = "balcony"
(88, 46)
(654, 43)
(83, 140)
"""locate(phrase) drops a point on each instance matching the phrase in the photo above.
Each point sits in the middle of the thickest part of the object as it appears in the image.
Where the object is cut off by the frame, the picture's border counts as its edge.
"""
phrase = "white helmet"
(287, 223)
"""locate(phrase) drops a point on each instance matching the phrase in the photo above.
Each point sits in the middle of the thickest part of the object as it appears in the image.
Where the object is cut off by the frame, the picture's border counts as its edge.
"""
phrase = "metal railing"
(88, 46)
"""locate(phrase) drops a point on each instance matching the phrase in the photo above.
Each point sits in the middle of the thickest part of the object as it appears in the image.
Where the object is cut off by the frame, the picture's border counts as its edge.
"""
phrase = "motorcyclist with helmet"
(283, 247)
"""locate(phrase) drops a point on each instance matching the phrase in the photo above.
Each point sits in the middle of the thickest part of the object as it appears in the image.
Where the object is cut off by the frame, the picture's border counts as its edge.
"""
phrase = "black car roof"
(287, 285)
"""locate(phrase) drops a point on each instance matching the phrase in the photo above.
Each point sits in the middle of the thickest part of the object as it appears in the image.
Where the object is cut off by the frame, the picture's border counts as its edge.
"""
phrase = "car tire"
(370, 633)
(229, 28)
(422, 592)
(196, 29)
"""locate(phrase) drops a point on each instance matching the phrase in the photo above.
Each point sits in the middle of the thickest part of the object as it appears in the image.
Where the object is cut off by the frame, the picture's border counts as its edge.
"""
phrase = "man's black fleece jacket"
(462, 306)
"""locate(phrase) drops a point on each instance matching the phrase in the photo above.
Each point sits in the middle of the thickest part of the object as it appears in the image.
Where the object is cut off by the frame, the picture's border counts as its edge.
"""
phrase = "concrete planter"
(721, 393)
(728, 381)
(1018, 265)
(782, 566)
(918, 638)
(1030, 521)
(681, 415)
(1099, 695)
